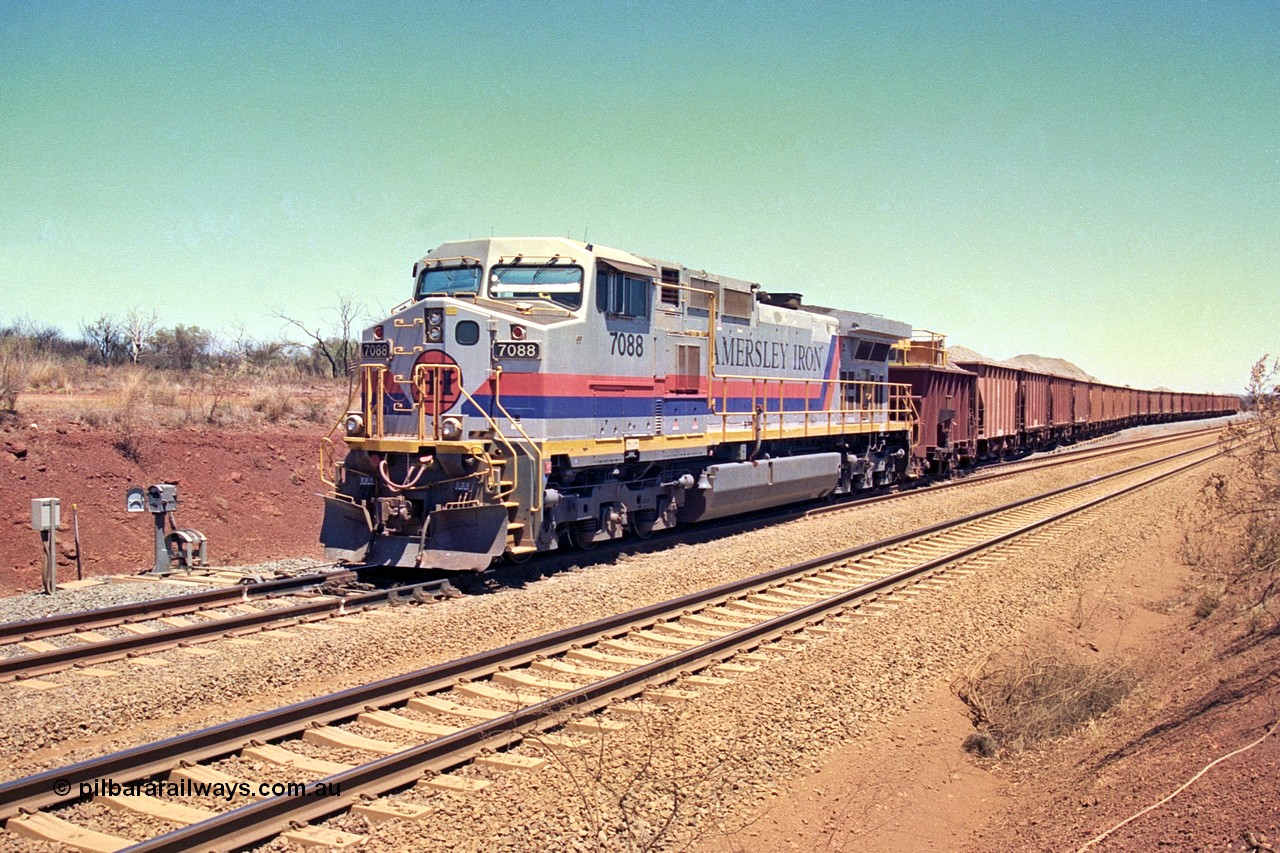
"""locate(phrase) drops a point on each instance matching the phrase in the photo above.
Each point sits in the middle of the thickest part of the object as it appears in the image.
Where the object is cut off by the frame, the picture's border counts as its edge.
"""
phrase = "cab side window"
(622, 295)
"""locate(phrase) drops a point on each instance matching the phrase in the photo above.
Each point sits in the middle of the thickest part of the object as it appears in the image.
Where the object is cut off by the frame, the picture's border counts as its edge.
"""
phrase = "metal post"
(49, 577)
(44, 519)
(163, 565)
(75, 524)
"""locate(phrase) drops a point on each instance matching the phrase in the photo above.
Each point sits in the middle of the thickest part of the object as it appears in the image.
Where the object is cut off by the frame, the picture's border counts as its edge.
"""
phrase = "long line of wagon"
(970, 408)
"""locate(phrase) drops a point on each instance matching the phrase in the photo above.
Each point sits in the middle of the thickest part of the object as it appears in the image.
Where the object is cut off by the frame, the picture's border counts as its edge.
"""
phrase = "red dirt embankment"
(252, 493)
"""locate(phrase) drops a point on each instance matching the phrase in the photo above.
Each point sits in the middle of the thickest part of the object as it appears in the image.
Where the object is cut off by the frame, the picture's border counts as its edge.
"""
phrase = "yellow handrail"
(420, 373)
(426, 381)
(535, 504)
(769, 394)
(719, 407)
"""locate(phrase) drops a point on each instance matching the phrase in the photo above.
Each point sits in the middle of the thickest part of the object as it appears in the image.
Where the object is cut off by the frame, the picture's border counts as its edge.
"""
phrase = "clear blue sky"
(1097, 181)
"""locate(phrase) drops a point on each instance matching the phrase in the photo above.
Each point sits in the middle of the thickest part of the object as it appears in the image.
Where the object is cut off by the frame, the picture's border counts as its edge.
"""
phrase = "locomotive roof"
(858, 323)
(489, 249)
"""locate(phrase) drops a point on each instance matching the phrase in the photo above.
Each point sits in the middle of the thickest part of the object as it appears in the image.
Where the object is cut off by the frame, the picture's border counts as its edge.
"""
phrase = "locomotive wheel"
(580, 535)
(641, 522)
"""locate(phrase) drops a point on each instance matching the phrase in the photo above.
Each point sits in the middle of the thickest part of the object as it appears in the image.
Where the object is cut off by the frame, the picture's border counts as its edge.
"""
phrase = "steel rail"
(55, 660)
(995, 472)
(36, 791)
(1096, 448)
(266, 818)
(66, 623)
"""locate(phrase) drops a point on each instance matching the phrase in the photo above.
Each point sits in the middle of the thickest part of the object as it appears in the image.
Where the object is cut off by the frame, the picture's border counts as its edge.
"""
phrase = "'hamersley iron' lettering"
(769, 355)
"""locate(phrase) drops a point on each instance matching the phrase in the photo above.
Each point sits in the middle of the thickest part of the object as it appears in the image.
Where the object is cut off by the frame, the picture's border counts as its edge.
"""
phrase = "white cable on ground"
(1185, 785)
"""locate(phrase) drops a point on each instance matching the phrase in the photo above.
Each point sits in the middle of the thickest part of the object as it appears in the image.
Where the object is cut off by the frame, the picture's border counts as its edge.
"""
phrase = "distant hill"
(1027, 361)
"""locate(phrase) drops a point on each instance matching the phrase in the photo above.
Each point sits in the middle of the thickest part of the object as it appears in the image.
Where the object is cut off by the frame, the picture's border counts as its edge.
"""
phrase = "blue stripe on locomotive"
(544, 407)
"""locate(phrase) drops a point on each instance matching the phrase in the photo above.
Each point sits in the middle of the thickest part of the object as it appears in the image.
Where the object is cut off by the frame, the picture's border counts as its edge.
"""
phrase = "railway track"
(1097, 446)
(1000, 470)
(155, 608)
(551, 688)
(187, 621)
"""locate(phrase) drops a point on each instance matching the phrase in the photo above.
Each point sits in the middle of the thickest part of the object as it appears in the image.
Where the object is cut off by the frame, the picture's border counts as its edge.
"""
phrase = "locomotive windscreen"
(449, 281)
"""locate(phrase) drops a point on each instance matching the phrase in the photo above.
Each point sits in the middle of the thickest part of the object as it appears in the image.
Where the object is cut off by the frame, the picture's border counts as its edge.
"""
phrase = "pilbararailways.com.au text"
(227, 791)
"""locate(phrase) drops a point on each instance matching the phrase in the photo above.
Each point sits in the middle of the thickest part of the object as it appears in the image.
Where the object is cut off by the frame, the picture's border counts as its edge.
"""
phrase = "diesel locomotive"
(537, 393)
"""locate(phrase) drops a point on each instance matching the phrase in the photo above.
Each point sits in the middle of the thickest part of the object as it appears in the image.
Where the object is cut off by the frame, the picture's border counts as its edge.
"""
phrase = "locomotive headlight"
(435, 317)
(434, 334)
(354, 424)
(517, 332)
(451, 429)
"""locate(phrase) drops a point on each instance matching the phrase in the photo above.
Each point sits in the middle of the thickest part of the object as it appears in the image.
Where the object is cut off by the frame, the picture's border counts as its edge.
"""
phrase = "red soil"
(251, 492)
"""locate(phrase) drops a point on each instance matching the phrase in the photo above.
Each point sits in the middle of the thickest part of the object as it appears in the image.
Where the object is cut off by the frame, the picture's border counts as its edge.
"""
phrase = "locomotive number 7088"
(626, 343)
(517, 349)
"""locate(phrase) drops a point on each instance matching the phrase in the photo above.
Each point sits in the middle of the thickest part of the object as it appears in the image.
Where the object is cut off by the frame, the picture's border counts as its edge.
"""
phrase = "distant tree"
(263, 354)
(248, 353)
(105, 339)
(334, 344)
(182, 347)
(138, 330)
(41, 337)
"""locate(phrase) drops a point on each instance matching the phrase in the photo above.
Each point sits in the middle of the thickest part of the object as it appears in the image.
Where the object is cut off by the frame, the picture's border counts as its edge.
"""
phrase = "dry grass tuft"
(274, 401)
(318, 411)
(50, 375)
(164, 395)
(1019, 700)
(13, 381)
(132, 415)
(1207, 600)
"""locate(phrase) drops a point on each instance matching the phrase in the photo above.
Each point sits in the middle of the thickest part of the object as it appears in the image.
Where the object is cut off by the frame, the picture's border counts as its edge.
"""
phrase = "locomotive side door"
(680, 337)
(623, 388)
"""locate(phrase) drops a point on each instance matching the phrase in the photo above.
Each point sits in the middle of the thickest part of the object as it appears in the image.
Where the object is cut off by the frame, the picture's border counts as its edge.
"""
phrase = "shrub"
(275, 403)
(15, 371)
(131, 415)
(1235, 531)
(1019, 700)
